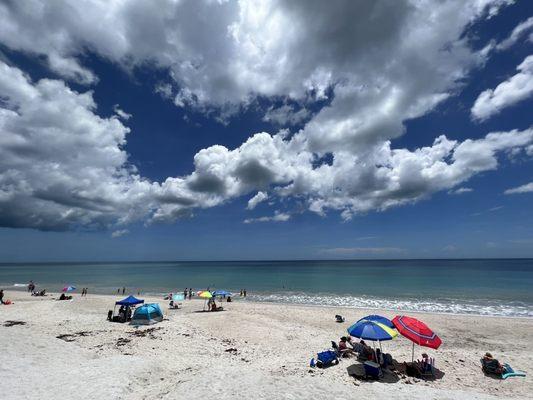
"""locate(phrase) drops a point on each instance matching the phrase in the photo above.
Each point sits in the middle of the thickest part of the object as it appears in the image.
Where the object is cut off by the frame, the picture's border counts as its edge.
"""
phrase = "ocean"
(498, 287)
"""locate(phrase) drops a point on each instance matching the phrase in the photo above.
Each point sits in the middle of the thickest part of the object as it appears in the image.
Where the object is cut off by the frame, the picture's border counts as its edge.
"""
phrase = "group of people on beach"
(187, 293)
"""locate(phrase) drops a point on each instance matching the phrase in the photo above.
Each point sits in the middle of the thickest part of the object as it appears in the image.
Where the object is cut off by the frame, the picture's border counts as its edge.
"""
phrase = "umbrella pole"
(413, 353)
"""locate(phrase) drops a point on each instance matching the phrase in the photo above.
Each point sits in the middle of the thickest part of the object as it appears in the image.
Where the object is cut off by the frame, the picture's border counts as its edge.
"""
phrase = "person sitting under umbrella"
(343, 348)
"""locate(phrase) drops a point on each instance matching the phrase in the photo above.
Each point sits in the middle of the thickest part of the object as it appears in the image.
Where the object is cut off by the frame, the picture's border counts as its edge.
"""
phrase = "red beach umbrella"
(417, 332)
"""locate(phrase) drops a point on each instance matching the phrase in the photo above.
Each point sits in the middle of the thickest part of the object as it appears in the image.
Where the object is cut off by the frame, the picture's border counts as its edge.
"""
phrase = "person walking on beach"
(185, 293)
(2, 296)
(123, 290)
(190, 293)
(244, 293)
(118, 291)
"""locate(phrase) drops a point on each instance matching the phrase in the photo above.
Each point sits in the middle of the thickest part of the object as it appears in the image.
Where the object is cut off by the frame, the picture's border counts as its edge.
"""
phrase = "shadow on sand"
(357, 371)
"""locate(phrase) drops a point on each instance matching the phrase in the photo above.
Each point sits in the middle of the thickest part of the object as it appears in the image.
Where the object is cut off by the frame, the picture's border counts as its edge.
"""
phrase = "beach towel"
(510, 372)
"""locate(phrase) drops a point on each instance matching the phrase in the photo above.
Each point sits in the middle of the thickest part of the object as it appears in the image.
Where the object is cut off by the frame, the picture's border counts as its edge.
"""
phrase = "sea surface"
(499, 287)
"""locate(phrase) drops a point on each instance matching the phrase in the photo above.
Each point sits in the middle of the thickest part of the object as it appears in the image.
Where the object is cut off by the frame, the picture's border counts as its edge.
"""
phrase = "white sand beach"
(249, 351)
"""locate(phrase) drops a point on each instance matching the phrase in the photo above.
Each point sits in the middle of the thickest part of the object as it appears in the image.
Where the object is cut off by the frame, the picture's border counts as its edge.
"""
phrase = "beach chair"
(372, 370)
(427, 370)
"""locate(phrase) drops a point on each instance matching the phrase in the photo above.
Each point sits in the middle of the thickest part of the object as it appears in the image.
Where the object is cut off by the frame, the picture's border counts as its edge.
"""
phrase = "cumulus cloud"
(528, 187)
(277, 217)
(62, 166)
(258, 198)
(515, 89)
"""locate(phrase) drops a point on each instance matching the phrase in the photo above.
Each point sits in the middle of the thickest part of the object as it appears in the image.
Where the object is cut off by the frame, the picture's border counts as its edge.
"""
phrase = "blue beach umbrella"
(380, 319)
(372, 330)
(69, 289)
(221, 293)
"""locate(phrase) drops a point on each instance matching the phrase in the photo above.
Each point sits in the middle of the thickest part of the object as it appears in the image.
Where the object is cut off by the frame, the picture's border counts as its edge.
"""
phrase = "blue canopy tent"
(129, 301)
(126, 305)
(147, 314)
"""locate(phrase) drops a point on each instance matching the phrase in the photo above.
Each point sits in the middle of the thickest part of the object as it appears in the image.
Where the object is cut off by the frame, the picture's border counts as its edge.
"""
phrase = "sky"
(233, 130)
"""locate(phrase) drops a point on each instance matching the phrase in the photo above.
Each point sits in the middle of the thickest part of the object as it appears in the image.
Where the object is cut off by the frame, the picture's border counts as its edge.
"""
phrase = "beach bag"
(326, 358)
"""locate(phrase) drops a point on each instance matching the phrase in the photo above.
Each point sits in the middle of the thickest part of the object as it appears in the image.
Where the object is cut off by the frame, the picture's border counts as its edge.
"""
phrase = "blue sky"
(102, 122)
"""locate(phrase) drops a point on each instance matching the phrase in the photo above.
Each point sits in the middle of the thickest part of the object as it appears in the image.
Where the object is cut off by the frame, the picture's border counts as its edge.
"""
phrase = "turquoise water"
(488, 287)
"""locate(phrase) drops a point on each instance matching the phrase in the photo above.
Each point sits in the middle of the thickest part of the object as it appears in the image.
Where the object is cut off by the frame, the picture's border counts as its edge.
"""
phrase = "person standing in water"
(244, 293)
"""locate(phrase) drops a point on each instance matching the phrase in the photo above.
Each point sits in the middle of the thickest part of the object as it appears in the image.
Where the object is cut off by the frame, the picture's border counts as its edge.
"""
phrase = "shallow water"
(487, 287)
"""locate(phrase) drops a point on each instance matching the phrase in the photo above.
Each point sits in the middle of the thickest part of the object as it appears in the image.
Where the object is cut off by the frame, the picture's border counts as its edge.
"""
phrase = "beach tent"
(129, 301)
(147, 314)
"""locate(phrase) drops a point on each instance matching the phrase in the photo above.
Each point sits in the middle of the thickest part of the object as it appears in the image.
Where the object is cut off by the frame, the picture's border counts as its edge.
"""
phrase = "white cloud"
(119, 233)
(277, 217)
(528, 187)
(518, 32)
(258, 198)
(515, 89)
(62, 166)
(352, 251)
(121, 113)
(286, 115)
(461, 190)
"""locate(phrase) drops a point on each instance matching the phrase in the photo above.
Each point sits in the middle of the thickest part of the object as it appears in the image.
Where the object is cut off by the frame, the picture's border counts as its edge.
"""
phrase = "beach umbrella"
(417, 332)
(372, 330)
(378, 318)
(205, 294)
(69, 289)
(221, 293)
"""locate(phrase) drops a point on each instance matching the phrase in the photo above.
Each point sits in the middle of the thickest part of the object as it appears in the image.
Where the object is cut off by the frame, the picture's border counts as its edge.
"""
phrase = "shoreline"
(238, 299)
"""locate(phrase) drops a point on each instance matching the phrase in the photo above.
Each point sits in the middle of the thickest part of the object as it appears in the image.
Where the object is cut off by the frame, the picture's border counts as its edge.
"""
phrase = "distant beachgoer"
(229, 299)
(190, 293)
(244, 293)
(1, 296)
(123, 290)
(240, 294)
(185, 293)
(118, 291)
